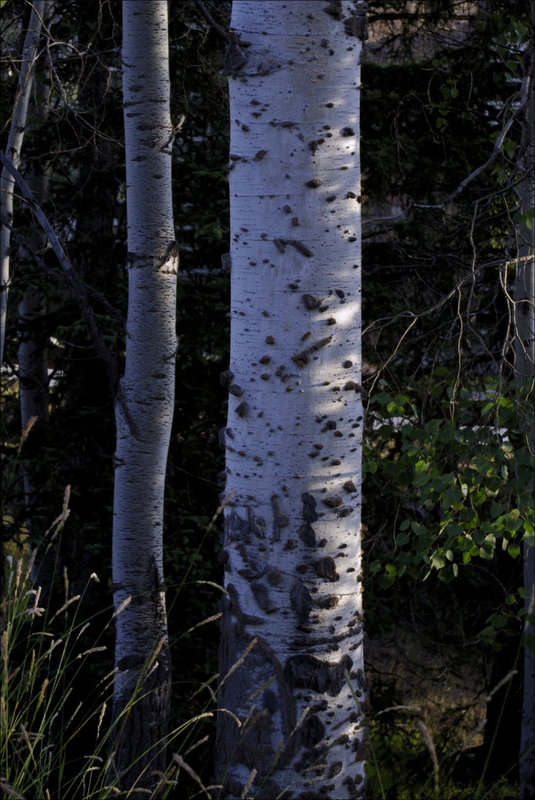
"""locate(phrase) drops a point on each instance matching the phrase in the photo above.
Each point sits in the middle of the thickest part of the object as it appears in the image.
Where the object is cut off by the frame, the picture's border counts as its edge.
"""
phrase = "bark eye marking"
(283, 124)
(345, 511)
(334, 9)
(242, 410)
(314, 183)
(311, 302)
(300, 600)
(309, 672)
(262, 597)
(225, 378)
(325, 568)
(315, 143)
(309, 507)
(303, 358)
(274, 577)
(281, 245)
(332, 502)
(312, 731)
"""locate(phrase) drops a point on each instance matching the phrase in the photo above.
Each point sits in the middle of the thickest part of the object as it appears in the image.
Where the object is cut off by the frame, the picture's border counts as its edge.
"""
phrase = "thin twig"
(78, 288)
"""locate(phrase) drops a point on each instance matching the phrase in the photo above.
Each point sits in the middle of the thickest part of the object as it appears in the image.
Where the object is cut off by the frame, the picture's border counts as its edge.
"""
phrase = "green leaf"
(438, 561)
(418, 529)
(385, 581)
(496, 509)
(454, 529)
(513, 549)
(486, 551)
(487, 408)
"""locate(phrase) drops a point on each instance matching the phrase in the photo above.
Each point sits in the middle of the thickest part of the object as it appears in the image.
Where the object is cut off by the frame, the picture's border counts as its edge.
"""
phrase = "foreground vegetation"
(426, 713)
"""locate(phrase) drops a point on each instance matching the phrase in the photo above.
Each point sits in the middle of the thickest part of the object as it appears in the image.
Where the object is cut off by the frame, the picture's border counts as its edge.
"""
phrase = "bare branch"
(77, 286)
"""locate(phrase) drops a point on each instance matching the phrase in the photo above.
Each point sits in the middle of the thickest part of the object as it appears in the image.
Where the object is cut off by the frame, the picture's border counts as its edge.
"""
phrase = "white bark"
(32, 350)
(13, 150)
(295, 420)
(144, 415)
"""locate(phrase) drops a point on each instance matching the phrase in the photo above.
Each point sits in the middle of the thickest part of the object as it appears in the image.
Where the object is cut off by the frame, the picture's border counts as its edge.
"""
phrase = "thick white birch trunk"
(144, 409)
(294, 435)
(13, 150)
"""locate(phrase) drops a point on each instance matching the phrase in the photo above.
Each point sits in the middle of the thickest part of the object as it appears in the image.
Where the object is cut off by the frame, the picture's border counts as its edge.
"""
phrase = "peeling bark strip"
(291, 541)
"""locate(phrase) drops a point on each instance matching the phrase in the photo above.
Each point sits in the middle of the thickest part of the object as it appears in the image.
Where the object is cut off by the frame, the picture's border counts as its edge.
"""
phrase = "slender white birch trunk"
(32, 351)
(144, 409)
(13, 150)
(292, 542)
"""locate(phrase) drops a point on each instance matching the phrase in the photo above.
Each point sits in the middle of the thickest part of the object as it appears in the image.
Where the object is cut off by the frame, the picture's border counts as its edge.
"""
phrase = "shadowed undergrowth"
(426, 721)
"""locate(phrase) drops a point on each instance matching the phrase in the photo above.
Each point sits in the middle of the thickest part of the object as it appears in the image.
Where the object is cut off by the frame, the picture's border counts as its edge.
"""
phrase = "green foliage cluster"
(462, 484)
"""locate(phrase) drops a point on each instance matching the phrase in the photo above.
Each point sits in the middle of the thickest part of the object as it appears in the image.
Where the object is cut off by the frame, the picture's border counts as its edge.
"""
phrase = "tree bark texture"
(144, 408)
(295, 421)
(13, 150)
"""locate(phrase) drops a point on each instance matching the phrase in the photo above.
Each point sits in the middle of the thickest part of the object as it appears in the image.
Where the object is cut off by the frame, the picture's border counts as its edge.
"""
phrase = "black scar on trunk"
(306, 531)
(308, 672)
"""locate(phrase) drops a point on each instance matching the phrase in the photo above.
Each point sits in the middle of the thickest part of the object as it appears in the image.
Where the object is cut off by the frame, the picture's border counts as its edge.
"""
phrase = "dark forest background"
(448, 464)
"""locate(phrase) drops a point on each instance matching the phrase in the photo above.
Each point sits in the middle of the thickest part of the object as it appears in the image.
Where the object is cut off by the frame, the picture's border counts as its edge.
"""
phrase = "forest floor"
(427, 712)
(441, 684)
